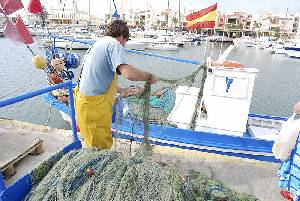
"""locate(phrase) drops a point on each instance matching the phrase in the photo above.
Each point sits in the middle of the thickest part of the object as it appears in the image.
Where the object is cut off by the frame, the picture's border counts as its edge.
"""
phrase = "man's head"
(118, 29)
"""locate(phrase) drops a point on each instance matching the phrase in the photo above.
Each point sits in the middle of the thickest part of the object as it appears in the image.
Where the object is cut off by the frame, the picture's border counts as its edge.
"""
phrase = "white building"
(69, 15)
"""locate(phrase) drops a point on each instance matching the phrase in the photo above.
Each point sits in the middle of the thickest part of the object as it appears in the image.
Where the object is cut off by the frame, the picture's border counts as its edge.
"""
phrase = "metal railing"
(32, 94)
(194, 62)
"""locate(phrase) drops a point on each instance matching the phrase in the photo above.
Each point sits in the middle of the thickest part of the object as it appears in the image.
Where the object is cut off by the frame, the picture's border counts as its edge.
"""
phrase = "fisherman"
(94, 96)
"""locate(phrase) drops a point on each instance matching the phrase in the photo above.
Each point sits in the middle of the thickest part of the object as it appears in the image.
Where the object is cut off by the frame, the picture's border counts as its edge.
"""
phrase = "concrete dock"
(249, 176)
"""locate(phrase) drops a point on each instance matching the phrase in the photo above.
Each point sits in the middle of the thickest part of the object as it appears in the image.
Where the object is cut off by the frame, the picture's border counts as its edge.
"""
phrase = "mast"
(89, 22)
(168, 13)
(110, 15)
(179, 21)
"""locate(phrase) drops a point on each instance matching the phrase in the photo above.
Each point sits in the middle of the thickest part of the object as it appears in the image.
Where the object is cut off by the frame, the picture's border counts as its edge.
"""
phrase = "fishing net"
(154, 106)
(114, 177)
(91, 174)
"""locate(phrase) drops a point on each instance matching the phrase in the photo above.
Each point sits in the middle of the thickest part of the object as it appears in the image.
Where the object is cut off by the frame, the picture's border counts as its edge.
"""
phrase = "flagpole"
(16, 31)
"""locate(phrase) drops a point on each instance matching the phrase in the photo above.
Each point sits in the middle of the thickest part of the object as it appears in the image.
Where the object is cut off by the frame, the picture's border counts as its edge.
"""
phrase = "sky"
(100, 7)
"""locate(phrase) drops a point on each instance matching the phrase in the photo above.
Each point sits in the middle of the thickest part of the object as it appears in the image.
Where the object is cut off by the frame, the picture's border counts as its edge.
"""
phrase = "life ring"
(227, 64)
(172, 39)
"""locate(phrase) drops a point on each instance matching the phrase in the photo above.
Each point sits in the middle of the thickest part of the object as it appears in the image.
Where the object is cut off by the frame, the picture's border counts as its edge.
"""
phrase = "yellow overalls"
(94, 116)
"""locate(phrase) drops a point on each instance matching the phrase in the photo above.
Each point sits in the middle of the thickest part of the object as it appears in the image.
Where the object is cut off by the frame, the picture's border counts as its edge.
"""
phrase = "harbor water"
(276, 90)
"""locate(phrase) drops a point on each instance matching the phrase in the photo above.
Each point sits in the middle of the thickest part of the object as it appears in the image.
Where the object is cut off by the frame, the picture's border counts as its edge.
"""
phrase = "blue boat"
(225, 128)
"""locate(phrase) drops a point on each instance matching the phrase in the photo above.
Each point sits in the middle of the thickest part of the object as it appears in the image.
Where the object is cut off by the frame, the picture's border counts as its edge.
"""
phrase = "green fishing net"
(150, 108)
(115, 177)
(121, 178)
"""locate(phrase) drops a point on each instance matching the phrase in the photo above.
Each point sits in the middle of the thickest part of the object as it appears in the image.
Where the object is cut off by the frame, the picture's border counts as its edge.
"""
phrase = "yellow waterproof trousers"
(94, 116)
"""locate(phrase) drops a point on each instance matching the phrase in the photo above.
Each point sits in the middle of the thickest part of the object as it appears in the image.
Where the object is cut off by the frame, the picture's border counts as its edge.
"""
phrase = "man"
(98, 85)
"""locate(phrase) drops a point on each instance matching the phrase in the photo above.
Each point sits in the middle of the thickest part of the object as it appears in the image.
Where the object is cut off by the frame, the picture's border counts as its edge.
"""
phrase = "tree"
(256, 27)
(174, 21)
(157, 24)
(43, 16)
(277, 31)
(142, 23)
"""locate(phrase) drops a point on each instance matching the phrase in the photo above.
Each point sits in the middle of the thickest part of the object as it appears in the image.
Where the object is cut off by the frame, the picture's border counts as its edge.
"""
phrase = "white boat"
(135, 45)
(77, 42)
(278, 49)
(245, 41)
(164, 47)
(293, 54)
(1, 33)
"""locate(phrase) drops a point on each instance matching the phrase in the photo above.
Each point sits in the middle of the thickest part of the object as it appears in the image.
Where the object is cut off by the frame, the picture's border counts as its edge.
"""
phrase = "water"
(276, 90)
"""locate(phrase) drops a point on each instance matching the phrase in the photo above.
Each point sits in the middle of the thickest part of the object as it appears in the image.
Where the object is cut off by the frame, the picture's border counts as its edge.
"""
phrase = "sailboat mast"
(168, 13)
(179, 21)
(110, 16)
(89, 23)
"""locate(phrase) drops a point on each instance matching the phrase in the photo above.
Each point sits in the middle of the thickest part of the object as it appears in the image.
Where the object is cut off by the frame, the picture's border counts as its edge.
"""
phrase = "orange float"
(227, 64)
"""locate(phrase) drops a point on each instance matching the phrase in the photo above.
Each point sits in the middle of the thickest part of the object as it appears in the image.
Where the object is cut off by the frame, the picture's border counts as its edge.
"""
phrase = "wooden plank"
(14, 147)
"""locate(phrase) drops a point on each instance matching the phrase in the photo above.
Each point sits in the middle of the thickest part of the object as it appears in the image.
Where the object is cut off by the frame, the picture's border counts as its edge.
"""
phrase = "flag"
(11, 32)
(23, 31)
(204, 18)
(35, 7)
(10, 6)
(116, 14)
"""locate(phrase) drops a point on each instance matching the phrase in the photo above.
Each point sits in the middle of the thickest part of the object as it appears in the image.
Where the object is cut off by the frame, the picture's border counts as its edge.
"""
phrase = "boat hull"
(224, 144)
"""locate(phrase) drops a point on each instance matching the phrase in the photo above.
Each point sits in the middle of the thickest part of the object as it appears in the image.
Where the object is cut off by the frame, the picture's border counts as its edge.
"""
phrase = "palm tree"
(276, 31)
(43, 16)
(174, 21)
(256, 27)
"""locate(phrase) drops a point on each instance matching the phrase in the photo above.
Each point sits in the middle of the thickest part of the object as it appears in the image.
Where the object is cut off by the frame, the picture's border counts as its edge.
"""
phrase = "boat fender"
(53, 53)
(286, 140)
(39, 61)
(54, 77)
(227, 64)
(67, 75)
(58, 64)
(72, 60)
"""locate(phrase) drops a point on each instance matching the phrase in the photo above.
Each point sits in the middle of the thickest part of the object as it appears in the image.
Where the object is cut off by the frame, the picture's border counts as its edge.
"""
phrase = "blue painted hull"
(293, 48)
(245, 147)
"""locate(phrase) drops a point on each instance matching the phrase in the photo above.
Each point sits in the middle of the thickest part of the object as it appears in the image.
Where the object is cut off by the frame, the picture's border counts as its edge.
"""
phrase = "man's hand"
(297, 108)
(153, 79)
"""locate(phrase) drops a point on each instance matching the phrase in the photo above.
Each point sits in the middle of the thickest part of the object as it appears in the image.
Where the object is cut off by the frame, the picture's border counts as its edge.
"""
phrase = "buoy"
(39, 61)
(89, 171)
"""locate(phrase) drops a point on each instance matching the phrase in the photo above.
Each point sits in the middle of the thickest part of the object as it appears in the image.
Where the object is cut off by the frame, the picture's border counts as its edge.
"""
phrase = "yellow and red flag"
(204, 18)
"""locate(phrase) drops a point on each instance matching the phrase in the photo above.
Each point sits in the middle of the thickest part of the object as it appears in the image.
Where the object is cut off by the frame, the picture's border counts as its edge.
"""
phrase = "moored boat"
(223, 124)
(163, 47)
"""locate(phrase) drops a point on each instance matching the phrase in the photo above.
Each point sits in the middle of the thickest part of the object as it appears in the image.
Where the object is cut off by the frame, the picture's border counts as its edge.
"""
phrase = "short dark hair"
(117, 28)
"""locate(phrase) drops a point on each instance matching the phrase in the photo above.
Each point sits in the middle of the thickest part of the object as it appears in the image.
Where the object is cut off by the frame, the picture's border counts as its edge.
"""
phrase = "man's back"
(100, 64)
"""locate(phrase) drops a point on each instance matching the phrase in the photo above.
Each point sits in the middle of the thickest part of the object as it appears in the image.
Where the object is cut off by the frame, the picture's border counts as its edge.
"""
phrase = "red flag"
(204, 18)
(35, 7)
(23, 31)
(11, 32)
(10, 6)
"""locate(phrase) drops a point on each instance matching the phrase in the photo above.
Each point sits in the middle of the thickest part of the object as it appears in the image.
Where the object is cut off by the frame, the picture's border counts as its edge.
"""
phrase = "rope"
(49, 114)
(200, 95)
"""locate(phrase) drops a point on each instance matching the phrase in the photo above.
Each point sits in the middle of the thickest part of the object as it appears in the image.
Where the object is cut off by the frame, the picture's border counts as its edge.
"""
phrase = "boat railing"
(193, 62)
(75, 144)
